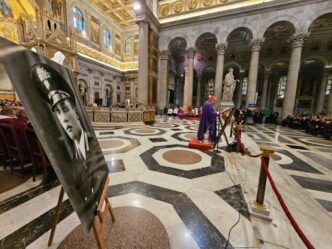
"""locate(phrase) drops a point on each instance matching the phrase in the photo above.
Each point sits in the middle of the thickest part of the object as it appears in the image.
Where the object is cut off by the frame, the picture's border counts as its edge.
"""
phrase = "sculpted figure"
(229, 86)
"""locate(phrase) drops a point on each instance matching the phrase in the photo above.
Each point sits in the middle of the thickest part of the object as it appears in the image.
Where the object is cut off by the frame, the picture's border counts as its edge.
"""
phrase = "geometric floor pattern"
(151, 168)
(308, 159)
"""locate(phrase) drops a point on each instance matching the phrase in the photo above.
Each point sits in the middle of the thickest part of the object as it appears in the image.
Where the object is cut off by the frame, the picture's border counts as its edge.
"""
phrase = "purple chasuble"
(208, 121)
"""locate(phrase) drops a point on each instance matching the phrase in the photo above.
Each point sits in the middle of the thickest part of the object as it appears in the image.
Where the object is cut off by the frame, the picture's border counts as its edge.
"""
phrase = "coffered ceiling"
(120, 11)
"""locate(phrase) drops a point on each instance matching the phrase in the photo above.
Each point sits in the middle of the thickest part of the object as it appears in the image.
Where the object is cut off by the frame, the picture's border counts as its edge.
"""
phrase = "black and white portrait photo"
(52, 100)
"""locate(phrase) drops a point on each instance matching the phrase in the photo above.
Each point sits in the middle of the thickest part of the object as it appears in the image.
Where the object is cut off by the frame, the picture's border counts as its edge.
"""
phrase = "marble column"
(265, 87)
(322, 90)
(219, 71)
(163, 79)
(253, 70)
(198, 99)
(239, 93)
(188, 88)
(143, 84)
(296, 41)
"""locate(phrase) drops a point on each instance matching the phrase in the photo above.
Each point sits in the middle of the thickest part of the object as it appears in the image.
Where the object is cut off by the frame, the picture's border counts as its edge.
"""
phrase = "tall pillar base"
(260, 211)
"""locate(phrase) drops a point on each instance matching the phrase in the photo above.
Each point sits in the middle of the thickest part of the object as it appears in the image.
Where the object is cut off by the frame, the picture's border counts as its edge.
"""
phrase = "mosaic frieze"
(186, 6)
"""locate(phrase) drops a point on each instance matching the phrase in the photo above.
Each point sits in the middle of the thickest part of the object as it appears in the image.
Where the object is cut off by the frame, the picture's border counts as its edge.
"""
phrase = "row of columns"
(296, 42)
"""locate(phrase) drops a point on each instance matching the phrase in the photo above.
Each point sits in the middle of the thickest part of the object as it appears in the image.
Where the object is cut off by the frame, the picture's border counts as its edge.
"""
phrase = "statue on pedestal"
(229, 86)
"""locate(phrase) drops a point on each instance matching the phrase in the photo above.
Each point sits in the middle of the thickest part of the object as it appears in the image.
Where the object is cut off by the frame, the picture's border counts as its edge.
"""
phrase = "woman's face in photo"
(68, 119)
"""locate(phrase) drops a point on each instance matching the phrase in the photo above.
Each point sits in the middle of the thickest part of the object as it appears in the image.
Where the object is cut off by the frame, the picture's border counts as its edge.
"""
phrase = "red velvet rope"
(242, 147)
(285, 208)
(280, 199)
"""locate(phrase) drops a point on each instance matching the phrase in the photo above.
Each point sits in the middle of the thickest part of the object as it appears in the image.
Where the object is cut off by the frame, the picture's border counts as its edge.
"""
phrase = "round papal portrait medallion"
(178, 7)
(207, 2)
(164, 10)
(192, 4)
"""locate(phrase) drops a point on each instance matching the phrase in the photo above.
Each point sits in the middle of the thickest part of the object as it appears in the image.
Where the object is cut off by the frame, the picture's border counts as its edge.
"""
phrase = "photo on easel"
(50, 96)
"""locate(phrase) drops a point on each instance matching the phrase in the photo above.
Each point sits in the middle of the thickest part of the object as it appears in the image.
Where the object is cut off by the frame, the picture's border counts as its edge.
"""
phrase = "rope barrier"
(286, 210)
(243, 148)
(277, 193)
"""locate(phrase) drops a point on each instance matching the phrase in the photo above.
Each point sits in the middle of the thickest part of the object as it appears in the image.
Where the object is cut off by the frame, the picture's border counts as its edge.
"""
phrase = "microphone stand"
(217, 125)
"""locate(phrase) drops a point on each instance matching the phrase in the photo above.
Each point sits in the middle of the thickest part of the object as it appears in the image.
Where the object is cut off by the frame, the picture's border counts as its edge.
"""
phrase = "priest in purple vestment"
(208, 120)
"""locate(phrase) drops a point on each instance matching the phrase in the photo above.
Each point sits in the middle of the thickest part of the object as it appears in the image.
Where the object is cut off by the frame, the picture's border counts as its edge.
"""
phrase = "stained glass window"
(282, 86)
(128, 46)
(328, 85)
(78, 19)
(244, 86)
(107, 38)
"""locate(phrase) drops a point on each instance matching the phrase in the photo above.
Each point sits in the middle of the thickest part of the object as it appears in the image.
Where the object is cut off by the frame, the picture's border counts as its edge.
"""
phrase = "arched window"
(282, 86)
(244, 86)
(107, 38)
(128, 46)
(78, 19)
(328, 85)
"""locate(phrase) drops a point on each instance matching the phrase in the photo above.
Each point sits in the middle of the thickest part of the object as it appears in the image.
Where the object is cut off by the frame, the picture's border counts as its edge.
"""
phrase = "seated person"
(196, 112)
(175, 111)
(181, 113)
(208, 121)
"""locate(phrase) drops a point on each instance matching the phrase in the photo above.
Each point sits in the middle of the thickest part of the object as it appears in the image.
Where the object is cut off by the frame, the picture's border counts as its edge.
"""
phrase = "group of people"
(19, 119)
(318, 125)
(6, 104)
(181, 113)
(252, 115)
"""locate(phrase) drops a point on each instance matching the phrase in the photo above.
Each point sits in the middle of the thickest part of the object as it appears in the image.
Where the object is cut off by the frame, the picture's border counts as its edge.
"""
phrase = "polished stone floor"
(196, 195)
(306, 158)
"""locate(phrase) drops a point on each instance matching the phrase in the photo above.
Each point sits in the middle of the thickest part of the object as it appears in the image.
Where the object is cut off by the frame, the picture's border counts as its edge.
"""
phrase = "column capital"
(221, 48)
(164, 54)
(191, 52)
(256, 44)
(297, 40)
(267, 74)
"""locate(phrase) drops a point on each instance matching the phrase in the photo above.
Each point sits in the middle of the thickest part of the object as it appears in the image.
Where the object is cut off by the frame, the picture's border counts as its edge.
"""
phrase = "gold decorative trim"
(192, 4)
(106, 59)
(178, 7)
(207, 2)
(164, 10)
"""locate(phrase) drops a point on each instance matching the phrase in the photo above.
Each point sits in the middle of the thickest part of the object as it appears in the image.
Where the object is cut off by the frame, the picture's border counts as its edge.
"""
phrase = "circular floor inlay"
(190, 135)
(276, 157)
(145, 131)
(107, 144)
(133, 228)
(182, 157)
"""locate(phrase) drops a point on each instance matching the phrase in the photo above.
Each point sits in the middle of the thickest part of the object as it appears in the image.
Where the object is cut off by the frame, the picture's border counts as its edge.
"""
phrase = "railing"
(105, 115)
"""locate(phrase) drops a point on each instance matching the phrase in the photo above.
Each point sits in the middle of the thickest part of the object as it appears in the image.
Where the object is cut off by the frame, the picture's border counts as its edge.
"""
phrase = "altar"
(117, 116)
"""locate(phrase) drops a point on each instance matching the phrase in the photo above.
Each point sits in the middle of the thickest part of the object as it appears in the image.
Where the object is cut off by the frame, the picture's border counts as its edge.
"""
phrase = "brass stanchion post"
(259, 208)
(239, 129)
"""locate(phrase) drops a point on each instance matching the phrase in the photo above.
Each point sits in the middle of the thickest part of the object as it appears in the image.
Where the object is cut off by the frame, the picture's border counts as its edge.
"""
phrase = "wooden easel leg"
(111, 212)
(99, 239)
(56, 217)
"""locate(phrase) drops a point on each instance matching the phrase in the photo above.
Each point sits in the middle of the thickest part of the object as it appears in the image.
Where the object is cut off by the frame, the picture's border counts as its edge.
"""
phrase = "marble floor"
(306, 158)
(200, 198)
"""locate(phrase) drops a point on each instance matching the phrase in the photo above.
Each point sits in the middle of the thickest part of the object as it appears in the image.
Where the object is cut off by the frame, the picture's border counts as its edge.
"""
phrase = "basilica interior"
(144, 71)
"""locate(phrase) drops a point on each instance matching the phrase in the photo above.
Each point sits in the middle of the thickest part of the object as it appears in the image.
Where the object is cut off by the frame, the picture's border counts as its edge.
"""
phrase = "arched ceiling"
(239, 35)
(279, 32)
(177, 46)
(321, 27)
(206, 41)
